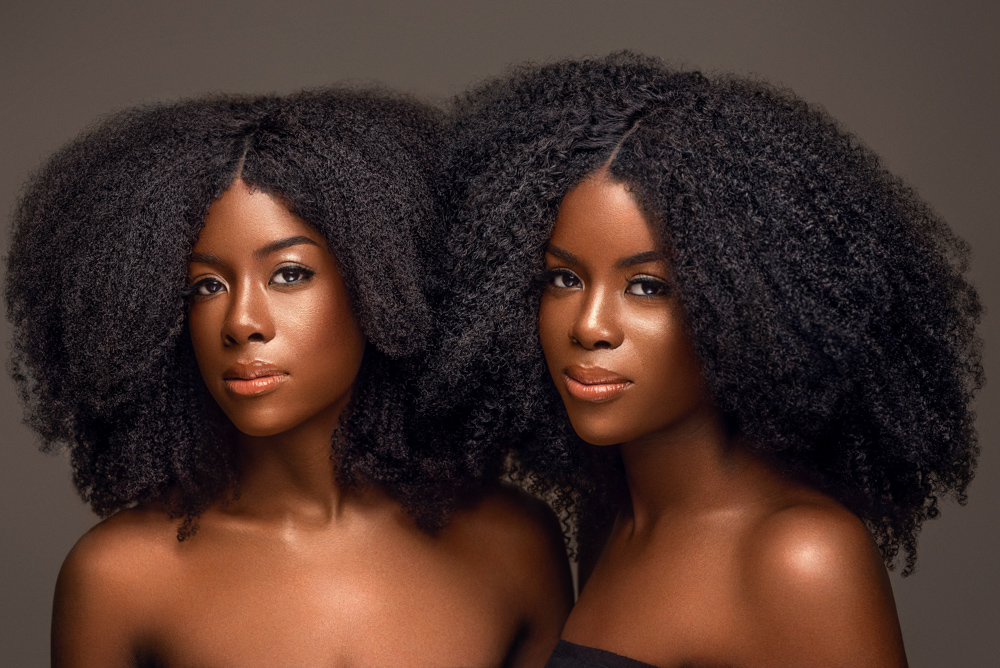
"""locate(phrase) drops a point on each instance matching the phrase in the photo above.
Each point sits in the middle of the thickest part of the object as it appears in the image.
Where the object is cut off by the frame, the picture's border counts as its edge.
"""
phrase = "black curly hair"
(97, 272)
(826, 301)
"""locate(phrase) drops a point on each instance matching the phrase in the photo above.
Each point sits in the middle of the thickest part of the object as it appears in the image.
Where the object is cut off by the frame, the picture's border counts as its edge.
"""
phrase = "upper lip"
(251, 370)
(594, 375)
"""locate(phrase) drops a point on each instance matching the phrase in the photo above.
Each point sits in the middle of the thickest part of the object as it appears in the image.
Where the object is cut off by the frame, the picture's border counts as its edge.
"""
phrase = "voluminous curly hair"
(97, 274)
(825, 300)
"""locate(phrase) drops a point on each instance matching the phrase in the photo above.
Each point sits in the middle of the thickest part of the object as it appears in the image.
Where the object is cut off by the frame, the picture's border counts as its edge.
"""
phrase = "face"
(613, 333)
(271, 322)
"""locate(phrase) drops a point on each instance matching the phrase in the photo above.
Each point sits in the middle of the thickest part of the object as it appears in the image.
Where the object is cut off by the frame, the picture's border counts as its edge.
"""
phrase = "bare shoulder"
(106, 586)
(812, 543)
(816, 576)
(127, 534)
(115, 558)
(519, 541)
(521, 548)
(514, 522)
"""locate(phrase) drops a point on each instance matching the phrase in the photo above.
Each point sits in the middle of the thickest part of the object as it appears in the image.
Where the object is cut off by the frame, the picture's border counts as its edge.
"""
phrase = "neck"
(291, 475)
(693, 466)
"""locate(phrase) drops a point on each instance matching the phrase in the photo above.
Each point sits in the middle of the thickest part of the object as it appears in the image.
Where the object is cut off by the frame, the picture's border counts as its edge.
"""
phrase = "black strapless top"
(571, 655)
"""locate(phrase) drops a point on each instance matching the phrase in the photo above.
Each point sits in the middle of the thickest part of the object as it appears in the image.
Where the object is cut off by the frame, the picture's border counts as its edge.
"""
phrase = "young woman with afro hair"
(766, 334)
(216, 305)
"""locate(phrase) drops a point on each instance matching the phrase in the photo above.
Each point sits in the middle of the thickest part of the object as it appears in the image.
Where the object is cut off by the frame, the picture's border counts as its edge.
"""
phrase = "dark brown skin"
(719, 558)
(296, 571)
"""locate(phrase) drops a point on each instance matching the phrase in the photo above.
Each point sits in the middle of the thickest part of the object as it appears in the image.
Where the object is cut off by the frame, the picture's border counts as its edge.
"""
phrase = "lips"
(253, 378)
(594, 384)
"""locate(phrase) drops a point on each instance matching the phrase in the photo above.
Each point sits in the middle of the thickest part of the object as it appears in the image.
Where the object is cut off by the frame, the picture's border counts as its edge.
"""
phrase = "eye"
(207, 287)
(564, 279)
(291, 275)
(647, 286)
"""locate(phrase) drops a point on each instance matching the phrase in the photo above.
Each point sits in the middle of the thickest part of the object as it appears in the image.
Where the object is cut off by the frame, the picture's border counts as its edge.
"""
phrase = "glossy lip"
(594, 384)
(253, 379)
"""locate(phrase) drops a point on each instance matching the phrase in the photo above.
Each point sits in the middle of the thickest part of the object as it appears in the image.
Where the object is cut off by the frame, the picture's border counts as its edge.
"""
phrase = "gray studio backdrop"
(918, 81)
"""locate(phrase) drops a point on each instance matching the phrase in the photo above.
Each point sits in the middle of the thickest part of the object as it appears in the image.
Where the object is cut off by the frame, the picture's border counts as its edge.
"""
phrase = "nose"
(248, 318)
(597, 325)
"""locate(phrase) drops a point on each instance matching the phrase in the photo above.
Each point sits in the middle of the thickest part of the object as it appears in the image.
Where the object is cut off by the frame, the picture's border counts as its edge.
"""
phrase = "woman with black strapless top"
(763, 343)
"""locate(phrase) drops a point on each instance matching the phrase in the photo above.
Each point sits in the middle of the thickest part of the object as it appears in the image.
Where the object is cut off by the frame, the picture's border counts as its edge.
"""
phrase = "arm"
(541, 571)
(96, 599)
(821, 593)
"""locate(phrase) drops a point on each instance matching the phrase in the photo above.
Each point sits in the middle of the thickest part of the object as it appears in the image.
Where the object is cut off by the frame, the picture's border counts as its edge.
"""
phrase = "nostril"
(256, 336)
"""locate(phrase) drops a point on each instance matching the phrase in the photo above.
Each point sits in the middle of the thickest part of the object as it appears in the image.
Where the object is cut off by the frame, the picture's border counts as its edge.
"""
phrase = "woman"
(767, 334)
(232, 295)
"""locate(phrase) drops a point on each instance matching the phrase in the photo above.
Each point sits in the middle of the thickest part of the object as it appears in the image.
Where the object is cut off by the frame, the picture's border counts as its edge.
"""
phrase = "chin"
(259, 425)
(596, 433)
(252, 429)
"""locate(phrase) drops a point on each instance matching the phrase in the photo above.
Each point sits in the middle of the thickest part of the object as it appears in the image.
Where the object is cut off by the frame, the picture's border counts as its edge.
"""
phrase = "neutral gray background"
(918, 81)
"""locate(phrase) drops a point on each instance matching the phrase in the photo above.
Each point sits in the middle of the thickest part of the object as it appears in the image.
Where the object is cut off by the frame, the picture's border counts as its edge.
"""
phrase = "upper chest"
(677, 598)
(339, 603)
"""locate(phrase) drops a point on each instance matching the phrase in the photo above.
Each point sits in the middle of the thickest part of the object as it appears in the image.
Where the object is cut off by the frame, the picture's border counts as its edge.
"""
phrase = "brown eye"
(647, 287)
(563, 278)
(291, 275)
(207, 287)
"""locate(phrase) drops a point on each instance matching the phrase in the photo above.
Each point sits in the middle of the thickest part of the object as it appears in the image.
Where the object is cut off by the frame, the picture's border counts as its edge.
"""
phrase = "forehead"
(601, 217)
(243, 217)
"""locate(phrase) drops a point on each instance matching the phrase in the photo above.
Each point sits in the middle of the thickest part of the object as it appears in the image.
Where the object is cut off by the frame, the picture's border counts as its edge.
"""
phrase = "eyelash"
(194, 290)
(305, 274)
(551, 275)
(661, 288)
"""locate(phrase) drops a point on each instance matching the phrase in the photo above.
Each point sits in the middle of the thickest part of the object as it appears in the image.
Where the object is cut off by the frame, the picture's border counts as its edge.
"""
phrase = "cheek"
(553, 326)
(328, 339)
(342, 346)
(204, 333)
(670, 364)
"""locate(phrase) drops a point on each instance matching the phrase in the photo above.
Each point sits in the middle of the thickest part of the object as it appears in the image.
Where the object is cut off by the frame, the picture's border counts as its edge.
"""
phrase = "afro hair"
(97, 273)
(826, 301)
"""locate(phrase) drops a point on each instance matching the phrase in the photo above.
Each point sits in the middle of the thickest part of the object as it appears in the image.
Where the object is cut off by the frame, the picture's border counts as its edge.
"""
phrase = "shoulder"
(518, 539)
(815, 575)
(811, 542)
(143, 529)
(107, 587)
(521, 548)
(511, 522)
(116, 557)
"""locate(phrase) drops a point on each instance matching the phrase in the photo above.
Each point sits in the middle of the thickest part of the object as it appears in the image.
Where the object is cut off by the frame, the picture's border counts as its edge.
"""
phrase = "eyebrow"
(641, 258)
(206, 258)
(260, 253)
(630, 261)
(562, 254)
(281, 244)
